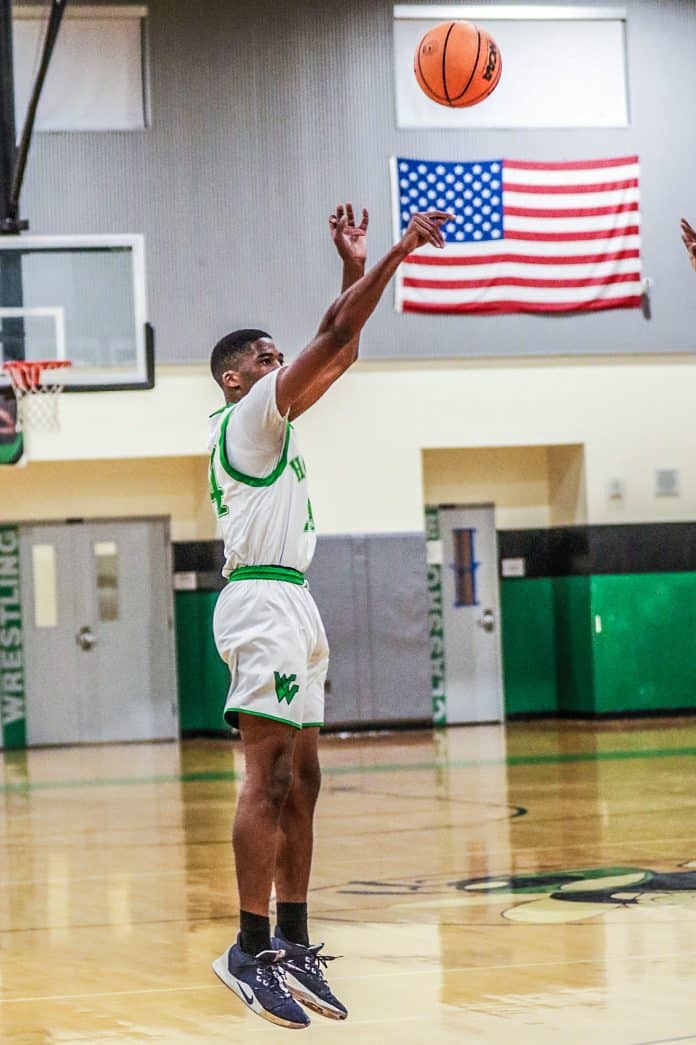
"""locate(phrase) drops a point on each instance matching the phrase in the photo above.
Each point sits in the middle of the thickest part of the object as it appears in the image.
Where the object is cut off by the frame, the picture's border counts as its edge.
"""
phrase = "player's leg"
(262, 702)
(304, 963)
(296, 834)
(252, 967)
(268, 757)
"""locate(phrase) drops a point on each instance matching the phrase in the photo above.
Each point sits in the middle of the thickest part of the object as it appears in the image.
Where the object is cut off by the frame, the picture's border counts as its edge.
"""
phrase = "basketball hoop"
(37, 400)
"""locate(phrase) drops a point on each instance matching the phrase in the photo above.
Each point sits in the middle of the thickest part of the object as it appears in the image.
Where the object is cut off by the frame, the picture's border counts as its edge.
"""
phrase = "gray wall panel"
(267, 114)
(398, 627)
(331, 582)
(372, 594)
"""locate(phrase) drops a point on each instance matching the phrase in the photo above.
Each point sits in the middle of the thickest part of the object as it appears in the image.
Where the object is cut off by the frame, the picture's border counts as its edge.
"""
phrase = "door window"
(106, 568)
(43, 557)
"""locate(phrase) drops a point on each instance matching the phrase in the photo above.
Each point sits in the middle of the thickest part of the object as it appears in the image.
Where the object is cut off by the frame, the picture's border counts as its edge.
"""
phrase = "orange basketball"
(457, 64)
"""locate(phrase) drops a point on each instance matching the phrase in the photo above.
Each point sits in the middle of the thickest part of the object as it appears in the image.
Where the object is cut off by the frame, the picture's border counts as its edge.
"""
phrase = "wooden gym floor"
(528, 884)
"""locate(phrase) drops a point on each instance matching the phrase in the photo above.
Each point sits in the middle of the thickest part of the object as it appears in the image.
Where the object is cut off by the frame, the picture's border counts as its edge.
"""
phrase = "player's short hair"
(230, 349)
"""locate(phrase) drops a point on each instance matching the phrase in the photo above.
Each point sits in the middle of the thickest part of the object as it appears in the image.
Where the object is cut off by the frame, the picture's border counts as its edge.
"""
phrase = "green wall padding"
(203, 678)
(574, 675)
(529, 646)
(644, 655)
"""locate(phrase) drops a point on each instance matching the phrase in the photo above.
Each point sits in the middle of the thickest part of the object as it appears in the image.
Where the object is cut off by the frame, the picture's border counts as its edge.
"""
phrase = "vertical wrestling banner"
(12, 696)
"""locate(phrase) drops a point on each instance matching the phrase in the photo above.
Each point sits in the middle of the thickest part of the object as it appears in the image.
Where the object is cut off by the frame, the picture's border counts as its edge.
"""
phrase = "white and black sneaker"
(260, 981)
(305, 977)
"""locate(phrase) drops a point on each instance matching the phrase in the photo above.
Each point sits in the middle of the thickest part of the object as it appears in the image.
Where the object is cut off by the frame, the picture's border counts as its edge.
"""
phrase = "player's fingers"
(440, 216)
(436, 236)
(365, 220)
(350, 214)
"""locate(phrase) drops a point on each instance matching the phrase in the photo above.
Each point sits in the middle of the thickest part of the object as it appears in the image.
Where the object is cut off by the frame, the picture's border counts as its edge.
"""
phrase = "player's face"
(262, 357)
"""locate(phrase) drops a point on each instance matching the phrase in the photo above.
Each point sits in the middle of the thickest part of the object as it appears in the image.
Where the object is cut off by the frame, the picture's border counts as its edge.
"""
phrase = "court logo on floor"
(555, 896)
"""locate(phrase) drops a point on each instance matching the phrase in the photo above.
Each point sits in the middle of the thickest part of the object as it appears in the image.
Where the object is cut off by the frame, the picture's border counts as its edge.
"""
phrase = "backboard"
(80, 298)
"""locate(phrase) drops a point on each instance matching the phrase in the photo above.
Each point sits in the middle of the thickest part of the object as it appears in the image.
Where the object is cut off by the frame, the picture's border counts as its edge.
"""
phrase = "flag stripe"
(518, 281)
(574, 212)
(606, 186)
(521, 259)
(611, 198)
(528, 270)
(575, 165)
(570, 237)
(572, 178)
(532, 295)
(499, 307)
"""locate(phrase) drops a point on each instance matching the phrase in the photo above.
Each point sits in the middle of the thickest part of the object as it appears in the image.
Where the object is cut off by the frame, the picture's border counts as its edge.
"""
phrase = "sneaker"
(260, 982)
(305, 977)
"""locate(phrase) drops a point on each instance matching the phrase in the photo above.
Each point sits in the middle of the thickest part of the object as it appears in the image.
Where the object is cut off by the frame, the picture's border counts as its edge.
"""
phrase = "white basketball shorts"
(270, 635)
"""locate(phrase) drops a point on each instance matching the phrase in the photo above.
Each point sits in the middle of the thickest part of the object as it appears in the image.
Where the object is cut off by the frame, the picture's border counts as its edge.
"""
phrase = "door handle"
(86, 639)
(487, 621)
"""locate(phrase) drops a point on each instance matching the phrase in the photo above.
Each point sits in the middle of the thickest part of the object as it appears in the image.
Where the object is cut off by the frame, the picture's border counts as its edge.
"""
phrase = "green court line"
(387, 767)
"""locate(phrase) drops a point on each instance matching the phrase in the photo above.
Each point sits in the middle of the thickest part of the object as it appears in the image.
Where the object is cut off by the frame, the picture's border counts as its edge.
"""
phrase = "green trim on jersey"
(267, 573)
(251, 480)
(216, 412)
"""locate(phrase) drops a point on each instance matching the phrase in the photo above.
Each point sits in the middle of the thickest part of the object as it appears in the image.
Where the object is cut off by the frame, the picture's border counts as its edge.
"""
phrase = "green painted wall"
(203, 678)
(573, 612)
(529, 646)
(554, 661)
(644, 657)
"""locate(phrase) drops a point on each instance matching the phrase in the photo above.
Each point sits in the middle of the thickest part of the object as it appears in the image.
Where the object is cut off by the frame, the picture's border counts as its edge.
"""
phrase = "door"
(98, 632)
(471, 615)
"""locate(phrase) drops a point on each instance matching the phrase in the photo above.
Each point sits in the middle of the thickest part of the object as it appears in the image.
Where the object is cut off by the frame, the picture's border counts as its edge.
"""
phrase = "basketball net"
(37, 399)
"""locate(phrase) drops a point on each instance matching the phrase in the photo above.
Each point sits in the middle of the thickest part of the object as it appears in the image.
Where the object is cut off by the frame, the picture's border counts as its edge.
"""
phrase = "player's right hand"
(425, 228)
(689, 241)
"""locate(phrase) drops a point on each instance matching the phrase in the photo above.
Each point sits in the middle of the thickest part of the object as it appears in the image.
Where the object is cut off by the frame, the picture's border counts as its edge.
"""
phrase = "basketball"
(457, 64)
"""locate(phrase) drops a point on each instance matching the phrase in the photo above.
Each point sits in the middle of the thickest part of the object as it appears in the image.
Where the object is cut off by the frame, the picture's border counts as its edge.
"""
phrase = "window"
(43, 557)
(96, 78)
(106, 564)
(563, 66)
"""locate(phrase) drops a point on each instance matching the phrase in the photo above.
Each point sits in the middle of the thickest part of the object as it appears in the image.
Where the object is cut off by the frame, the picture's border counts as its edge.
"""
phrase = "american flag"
(527, 237)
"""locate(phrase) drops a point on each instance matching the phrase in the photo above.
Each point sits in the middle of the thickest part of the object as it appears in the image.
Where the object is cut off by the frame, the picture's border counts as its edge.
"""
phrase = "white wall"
(364, 441)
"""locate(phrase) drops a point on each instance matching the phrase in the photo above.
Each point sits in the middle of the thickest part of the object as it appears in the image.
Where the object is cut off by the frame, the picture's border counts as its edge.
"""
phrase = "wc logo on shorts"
(285, 687)
(549, 897)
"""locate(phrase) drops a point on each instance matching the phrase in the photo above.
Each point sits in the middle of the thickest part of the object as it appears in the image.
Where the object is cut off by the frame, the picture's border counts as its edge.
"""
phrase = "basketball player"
(267, 627)
(689, 241)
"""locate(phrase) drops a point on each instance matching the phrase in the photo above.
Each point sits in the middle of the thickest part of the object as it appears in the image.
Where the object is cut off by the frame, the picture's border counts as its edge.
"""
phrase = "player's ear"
(230, 379)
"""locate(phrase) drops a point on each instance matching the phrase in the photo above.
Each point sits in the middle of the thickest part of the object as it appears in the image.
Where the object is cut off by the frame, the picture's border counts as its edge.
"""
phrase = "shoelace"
(313, 961)
(270, 974)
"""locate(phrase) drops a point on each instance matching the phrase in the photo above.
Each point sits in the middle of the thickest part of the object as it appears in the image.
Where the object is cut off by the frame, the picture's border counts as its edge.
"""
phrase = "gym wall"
(265, 115)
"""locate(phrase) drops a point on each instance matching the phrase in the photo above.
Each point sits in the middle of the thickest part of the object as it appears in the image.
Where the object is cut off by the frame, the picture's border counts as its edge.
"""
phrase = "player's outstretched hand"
(425, 228)
(689, 240)
(349, 239)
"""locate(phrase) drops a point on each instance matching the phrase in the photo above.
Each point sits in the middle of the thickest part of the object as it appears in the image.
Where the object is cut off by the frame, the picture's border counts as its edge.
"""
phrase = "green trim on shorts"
(256, 714)
(267, 573)
(251, 480)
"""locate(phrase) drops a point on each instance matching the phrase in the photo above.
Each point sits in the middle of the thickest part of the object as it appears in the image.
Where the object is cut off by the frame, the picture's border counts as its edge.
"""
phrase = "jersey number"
(216, 491)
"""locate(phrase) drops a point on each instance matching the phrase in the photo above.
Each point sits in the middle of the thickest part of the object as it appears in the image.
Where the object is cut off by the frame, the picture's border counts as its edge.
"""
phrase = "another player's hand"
(425, 228)
(689, 240)
(350, 239)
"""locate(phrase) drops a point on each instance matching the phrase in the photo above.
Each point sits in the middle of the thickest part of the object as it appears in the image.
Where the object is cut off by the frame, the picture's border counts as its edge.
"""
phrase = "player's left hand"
(689, 241)
(350, 239)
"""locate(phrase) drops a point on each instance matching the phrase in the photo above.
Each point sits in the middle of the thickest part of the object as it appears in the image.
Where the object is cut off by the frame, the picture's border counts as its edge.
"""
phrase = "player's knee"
(280, 781)
(307, 782)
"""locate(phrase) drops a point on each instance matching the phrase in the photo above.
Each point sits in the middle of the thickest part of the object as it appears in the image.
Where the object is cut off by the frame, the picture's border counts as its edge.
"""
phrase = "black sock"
(292, 922)
(255, 932)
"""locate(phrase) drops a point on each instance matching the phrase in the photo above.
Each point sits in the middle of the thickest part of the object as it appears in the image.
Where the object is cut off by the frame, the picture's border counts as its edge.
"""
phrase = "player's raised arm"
(350, 241)
(347, 315)
(689, 241)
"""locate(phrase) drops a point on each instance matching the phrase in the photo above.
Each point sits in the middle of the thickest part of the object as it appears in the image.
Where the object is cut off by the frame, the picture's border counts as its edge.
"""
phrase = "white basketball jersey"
(258, 484)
